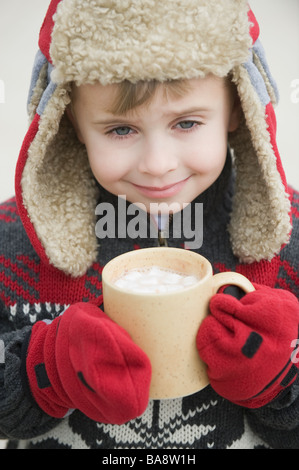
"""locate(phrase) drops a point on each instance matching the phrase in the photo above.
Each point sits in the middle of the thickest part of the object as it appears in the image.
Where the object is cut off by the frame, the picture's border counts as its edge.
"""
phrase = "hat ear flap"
(55, 188)
(260, 220)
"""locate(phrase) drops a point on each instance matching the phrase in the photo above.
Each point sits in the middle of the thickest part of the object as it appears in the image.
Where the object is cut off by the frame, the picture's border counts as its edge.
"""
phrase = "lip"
(162, 192)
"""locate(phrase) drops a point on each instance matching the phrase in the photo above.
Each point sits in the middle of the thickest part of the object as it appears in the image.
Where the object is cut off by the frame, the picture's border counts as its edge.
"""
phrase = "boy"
(167, 102)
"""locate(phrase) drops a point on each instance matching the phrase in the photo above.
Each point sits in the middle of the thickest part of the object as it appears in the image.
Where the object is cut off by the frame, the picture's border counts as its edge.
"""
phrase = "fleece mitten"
(85, 361)
(248, 345)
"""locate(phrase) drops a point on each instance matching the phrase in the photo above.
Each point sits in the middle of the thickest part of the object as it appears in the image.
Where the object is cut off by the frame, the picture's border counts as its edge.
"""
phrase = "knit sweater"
(31, 291)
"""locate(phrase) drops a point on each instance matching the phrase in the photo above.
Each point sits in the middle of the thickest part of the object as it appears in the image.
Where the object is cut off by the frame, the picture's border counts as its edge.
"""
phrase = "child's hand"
(248, 345)
(83, 360)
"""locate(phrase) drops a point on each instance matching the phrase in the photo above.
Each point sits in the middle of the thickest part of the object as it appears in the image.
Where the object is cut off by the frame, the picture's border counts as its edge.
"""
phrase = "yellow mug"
(165, 325)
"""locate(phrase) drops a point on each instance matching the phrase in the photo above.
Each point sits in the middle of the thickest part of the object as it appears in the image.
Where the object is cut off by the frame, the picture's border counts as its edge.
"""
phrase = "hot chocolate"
(155, 280)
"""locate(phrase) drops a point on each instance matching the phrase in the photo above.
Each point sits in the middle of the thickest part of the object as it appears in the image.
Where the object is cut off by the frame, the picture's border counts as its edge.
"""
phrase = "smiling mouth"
(164, 191)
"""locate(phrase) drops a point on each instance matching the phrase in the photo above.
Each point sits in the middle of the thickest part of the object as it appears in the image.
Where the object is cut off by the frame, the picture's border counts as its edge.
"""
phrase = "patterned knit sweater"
(31, 291)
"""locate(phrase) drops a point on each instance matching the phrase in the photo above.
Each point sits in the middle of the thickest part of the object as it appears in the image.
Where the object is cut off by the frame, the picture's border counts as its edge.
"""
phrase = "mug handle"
(231, 278)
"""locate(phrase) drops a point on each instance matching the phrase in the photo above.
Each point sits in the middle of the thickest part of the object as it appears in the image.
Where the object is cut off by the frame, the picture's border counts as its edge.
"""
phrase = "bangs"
(131, 95)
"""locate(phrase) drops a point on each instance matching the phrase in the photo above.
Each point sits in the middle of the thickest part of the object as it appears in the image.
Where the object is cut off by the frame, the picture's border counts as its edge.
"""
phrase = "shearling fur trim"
(59, 192)
(260, 222)
(116, 40)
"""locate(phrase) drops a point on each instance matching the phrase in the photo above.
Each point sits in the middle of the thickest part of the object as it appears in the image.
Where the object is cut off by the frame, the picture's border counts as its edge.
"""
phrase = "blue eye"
(187, 124)
(122, 131)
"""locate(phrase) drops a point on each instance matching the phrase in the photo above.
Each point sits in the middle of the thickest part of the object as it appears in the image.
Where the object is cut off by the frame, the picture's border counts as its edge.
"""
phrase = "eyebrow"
(111, 121)
(179, 112)
(187, 111)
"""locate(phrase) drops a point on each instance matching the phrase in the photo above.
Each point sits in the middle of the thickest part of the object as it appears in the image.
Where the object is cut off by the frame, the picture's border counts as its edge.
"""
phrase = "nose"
(157, 158)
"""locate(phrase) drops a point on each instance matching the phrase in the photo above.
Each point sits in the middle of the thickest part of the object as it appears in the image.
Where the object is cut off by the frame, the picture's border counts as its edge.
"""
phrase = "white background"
(20, 22)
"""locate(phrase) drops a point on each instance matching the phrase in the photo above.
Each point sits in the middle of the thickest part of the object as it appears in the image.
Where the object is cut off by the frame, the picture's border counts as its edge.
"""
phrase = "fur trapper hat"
(108, 41)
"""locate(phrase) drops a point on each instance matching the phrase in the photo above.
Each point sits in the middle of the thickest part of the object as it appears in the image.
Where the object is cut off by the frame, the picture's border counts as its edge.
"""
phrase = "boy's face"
(169, 150)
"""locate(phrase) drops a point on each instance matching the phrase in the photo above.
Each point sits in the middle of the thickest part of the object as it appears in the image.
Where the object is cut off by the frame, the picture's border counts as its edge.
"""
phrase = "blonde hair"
(131, 95)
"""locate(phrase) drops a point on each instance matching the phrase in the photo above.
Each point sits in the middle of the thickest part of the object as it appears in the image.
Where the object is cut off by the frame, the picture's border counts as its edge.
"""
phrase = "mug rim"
(207, 274)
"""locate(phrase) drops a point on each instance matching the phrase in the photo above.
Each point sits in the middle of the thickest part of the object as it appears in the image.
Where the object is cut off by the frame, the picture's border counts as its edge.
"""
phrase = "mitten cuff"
(40, 375)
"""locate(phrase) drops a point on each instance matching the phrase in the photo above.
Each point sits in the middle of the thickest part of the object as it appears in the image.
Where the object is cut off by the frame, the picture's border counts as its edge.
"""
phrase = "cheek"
(104, 169)
(212, 148)
(209, 159)
(106, 165)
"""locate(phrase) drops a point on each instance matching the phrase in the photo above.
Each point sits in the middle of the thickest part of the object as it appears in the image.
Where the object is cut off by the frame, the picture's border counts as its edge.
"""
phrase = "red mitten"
(83, 360)
(248, 345)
